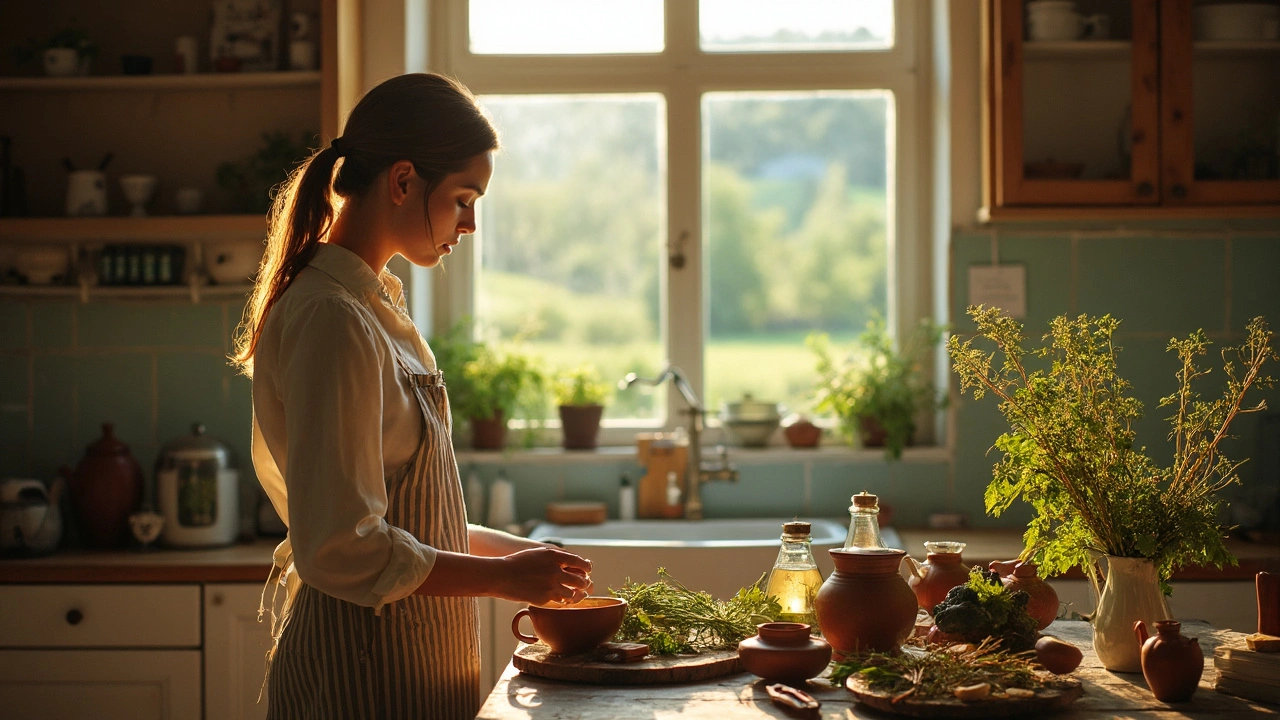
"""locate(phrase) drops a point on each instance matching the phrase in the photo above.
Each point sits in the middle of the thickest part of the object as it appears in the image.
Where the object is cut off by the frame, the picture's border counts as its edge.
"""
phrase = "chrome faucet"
(696, 471)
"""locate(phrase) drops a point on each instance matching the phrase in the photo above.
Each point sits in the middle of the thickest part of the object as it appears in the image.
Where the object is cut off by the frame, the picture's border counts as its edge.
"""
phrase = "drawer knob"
(217, 600)
(74, 617)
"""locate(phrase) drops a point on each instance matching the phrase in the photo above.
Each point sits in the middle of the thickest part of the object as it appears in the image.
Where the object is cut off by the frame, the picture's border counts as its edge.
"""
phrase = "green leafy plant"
(252, 180)
(484, 380)
(984, 608)
(877, 383)
(580, 386)
(670, 618)
(1071, 454)
(72, 37)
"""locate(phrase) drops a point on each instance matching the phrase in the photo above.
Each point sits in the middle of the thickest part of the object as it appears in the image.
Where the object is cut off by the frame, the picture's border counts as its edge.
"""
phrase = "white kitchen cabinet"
(496, 641)
(235, 650)
(100, 684)
(54, 663)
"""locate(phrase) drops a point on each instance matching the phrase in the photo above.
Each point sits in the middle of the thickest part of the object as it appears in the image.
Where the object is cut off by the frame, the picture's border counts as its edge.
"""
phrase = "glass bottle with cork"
(795, 578)
(864, 523)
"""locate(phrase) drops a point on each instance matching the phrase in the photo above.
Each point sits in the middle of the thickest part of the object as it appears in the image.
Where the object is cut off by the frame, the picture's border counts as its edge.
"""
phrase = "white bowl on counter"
(41, 265)
(232, 262)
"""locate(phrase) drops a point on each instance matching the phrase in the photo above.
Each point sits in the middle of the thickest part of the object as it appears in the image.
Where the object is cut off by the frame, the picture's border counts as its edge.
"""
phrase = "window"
(704, 183)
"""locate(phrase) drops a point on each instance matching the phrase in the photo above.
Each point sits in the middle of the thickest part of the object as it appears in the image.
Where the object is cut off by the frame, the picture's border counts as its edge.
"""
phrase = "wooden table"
(1107, 695)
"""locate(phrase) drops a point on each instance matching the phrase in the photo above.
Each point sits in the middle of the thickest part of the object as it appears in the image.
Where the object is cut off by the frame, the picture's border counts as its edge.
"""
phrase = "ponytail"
(431, 120)
(301, 214)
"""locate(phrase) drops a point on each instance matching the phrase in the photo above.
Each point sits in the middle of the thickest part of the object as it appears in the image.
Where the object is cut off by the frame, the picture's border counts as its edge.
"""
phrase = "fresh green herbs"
(936, 673)
(672, 619)
(983, 608)
(1071, 453)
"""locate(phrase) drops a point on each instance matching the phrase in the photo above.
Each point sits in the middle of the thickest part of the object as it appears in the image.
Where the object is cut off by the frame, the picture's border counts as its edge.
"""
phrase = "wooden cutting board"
(1061, 692)
(654, 670)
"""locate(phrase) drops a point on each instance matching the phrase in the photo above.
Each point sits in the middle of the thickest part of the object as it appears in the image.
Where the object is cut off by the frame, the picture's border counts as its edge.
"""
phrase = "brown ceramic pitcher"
(865, 604)
(1171, 663)
(106, 487)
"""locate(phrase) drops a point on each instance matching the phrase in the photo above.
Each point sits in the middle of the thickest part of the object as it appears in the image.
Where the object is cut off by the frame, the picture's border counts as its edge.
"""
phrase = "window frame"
(682, 73)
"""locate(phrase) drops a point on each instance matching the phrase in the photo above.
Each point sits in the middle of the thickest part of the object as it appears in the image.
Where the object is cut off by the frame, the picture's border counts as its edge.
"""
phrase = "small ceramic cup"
(189, 200)
(572, 629)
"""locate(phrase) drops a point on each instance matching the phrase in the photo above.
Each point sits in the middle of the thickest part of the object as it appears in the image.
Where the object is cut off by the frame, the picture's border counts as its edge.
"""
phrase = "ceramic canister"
(865, 604)
(784, 652)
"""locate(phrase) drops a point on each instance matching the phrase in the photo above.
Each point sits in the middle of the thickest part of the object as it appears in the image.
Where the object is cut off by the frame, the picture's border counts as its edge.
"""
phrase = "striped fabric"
(419, 657)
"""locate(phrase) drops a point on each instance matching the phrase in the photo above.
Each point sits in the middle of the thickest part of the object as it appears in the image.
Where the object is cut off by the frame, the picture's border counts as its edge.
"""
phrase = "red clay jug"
(942, 570)
(1171, 663)
(784, 652)
(1043, 605)
(865, 604)
(106, 487)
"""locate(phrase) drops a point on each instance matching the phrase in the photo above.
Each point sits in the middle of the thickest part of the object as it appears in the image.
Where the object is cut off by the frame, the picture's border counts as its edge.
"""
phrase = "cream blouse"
(332, 418)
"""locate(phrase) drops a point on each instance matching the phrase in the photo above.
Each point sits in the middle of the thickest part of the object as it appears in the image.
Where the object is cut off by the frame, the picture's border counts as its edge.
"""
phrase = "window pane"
(571, 233)
(565, 27)
(795, 201)
(795, 25)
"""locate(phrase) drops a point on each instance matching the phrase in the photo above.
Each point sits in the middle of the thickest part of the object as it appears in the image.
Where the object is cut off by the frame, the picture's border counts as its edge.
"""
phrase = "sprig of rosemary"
(935, 673)
(670, 618)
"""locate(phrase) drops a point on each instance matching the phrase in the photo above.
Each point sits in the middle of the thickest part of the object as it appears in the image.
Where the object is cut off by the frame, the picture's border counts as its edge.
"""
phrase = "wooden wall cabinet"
(1147, 121)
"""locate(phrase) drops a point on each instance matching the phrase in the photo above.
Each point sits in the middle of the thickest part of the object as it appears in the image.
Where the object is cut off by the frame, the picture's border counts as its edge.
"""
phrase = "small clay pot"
(580, 425)
(865, 604)
(489, 433)
(803, 434)
(1043, 605)
(942, 570)
(1171, 663)
(784, 652)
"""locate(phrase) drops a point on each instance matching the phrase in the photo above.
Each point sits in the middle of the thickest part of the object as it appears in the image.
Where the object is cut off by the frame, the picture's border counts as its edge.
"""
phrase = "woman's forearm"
(487, 542)
(536, 574)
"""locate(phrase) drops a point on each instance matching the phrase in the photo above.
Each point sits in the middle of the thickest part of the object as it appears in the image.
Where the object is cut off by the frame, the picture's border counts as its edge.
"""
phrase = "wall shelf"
(160, 228)
(92, 293)
(199, 81)
(1236, 48)
(1077, 50)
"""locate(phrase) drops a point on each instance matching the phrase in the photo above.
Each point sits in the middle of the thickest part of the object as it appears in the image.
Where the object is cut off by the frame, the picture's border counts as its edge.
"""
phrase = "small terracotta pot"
(940, 572)
(1043, 605)
(572, 629)
(784, 652)
(489, 433)
(803, 434)
(580, 425)
(106, 488)
(1171, 663)
(865, 604)
(871, 432)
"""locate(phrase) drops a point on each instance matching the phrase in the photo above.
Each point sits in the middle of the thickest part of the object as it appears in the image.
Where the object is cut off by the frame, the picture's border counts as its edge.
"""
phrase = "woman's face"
(450, 212)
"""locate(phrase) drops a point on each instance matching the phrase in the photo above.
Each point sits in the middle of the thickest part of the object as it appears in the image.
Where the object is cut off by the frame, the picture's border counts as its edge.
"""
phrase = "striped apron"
(418, 657)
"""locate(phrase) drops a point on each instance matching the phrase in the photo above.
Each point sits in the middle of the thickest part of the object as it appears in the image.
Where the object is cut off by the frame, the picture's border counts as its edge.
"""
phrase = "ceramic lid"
(748, 408)
(198, 445)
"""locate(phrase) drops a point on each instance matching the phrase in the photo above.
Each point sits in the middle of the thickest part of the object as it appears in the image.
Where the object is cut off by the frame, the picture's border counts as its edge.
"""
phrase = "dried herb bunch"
(935, 672)
(1070, 451)
(670, 618)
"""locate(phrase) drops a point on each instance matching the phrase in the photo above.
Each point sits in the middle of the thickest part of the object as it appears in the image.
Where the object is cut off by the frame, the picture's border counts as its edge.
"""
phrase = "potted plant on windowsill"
(488, 386)
(1071, 454)
(580, 395)
(876, 391)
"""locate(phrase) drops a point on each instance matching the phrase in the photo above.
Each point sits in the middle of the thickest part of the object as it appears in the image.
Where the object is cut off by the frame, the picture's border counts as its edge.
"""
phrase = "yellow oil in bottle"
(796, 586)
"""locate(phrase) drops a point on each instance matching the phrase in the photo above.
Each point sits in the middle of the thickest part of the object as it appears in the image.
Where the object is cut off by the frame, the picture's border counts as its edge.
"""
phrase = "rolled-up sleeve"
(330, 374)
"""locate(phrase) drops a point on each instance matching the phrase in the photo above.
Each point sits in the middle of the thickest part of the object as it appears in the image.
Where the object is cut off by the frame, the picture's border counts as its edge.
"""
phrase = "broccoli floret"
(982, 608)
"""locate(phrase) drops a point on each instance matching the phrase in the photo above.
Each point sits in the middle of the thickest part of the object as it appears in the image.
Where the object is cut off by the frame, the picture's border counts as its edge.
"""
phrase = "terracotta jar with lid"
(106, 487)
(865, 604)
(784, 652)
(942, 570)
(1171, 662)
(1043, 605)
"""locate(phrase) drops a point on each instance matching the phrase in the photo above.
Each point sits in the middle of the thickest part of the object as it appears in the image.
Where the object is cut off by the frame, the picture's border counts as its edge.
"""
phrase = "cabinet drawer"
(100, 616)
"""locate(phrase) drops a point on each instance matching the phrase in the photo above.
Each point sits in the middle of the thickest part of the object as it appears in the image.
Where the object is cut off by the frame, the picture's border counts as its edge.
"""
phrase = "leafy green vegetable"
(670, 618)
(983, 608)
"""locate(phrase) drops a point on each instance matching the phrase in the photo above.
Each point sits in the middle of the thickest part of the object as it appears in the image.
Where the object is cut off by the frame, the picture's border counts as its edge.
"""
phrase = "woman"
(351, 427)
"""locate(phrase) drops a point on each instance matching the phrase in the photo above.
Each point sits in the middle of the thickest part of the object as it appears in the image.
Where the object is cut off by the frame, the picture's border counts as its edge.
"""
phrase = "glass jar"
(795, 578)
(864, 523)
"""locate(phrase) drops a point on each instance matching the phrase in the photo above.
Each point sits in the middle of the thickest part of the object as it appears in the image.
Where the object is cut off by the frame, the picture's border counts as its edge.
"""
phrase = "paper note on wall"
(1002, 286)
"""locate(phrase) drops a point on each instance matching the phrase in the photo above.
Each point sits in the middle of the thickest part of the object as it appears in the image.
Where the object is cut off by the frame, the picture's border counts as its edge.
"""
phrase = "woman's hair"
(431, 120)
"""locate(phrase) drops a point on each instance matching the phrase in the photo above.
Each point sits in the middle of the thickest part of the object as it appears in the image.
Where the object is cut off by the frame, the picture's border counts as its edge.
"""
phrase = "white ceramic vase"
(1131, 593)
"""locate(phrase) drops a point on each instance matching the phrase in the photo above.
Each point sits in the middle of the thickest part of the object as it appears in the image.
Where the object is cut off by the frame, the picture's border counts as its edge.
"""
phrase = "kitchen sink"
(718, 556)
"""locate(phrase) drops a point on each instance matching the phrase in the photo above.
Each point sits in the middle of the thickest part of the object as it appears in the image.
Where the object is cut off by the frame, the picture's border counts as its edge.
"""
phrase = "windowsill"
(738, 456)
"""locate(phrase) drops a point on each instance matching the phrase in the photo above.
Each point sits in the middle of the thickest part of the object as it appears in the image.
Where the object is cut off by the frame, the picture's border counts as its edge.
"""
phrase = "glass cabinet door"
(1075, 108)
(1221, 103)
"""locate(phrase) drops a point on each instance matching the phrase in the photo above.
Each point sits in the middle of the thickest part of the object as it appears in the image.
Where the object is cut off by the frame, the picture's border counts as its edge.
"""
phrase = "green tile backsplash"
(153, 369)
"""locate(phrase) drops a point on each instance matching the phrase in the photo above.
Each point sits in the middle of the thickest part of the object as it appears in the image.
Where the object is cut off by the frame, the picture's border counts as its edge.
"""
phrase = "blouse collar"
(348, 269)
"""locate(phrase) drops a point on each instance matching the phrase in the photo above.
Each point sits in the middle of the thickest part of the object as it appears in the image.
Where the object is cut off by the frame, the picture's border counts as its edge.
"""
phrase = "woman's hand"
(545, 574)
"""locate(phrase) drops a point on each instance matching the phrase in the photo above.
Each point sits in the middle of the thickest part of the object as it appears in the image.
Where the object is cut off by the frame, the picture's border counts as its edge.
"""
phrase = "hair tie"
(334, 144)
